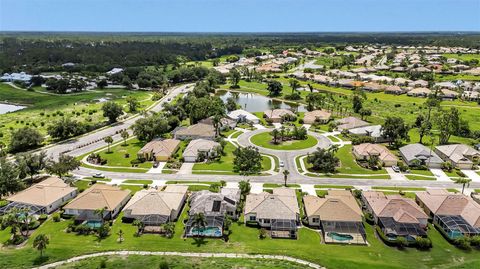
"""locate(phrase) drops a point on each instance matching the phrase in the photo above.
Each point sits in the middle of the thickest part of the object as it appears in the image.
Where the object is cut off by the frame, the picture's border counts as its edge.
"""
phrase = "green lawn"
(348, 165)
(118, 154)
(244, 240)
(225, 163)
(333, 187)
(132, 188)
(321, 193)
(138, 181)
(264, 140)
(43, 109)
(188, 182)
(177, 262)
(414, 177)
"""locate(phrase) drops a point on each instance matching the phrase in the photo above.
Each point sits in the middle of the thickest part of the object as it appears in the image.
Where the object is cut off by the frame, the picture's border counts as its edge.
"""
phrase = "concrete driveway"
(440, 175)
(472, 175)
(186, 169)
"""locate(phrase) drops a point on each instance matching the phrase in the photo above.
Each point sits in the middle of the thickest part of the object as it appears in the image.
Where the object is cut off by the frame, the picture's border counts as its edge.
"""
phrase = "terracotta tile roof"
(282, 204)
(399, 208)
(367, 149)
(44, 193)
(99, 196)
(155, 202)
(336, 206)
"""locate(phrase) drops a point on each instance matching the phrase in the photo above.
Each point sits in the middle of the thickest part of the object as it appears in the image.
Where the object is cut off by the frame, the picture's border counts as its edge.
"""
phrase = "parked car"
(282, 164)
(98, 175)
(155, 165)
(396, 168)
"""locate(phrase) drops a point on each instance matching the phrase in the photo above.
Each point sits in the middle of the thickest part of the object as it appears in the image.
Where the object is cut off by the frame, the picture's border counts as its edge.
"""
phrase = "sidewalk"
(440, 175)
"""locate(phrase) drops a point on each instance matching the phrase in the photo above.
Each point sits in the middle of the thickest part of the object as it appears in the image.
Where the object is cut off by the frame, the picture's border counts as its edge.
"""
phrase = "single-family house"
(459, 155)
(196, 131)
(373, 87)
(395, 215)
(223, 123)
(456, 214)
(365, 151)
(350, 123)
(22, 77)
(214, 207)
(99, 196)
(278, 212)
(155, 207)
(316, 116)
(41, 198)
(373, 131)
(337, 215)
(114, 71)
(200, 148)
(419, 155)
(394, 89)
(159, 149)
(448, 94)
(277, 115)
(419, 92)
(241, 115)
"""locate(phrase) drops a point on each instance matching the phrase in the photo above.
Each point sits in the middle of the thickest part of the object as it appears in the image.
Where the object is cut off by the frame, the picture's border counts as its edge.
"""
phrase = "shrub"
(463, 243)
(56, 217)
(43, 217)
(423, 243)
(262, 233)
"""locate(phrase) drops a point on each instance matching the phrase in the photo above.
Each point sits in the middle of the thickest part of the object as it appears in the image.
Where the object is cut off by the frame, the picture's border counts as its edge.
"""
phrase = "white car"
(98, 175)
(396, 168)
(282, 164)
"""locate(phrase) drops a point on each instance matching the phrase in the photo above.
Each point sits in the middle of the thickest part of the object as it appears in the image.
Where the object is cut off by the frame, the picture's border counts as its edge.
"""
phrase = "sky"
(240, 15)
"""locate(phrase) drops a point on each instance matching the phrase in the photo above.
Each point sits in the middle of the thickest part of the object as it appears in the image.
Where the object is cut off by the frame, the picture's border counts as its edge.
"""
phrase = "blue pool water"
(340, 237)
(93, 223)
(208, 231)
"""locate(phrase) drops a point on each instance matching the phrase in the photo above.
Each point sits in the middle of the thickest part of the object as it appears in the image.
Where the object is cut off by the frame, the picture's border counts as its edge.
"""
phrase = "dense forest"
(102, 51)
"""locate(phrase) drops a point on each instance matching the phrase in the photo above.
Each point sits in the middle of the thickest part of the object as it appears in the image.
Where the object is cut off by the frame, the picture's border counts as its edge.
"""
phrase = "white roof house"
(115, 71)
(241, 115)
(22, 76)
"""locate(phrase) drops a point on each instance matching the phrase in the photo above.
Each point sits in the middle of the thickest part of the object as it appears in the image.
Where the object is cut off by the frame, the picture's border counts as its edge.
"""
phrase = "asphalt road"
(94, 140)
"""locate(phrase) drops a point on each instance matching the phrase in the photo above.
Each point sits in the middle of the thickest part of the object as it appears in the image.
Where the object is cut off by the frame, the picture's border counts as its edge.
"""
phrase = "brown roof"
(399, 208)
(44, 193)
(367, 149)
(199, 129)
(155, 202)
(282, 204)
(99, 196)
(350, 122)
(449, 204)
(277, 113)
(336, 206)
(164, 147)
(311, 116)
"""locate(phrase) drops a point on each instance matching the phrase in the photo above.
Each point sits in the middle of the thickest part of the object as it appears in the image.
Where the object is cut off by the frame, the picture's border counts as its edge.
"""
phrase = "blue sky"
(239, 15)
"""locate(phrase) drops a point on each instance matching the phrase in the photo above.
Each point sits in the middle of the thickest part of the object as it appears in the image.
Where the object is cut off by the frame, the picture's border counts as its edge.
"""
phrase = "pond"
(257, 103)
(5, 108)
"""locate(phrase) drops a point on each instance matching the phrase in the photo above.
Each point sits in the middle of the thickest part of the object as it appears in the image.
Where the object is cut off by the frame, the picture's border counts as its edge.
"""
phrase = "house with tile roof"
(41, 198)
(365, 151)
(99, 196)
(456, 214)
(338, 215)
(197, 147)
(350, 123)
(277, 211)
(418, 155)
(459, 155)
(158, 149)
(276, 115)
(395, 215)
(196, 131)
(155, 207)
(316, 116)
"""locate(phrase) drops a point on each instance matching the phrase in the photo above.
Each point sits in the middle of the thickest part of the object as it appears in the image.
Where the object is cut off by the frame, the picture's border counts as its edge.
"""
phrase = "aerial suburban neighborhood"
(239, 150)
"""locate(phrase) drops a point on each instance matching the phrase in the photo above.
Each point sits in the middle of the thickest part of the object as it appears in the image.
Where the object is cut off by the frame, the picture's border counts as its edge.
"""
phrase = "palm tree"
(275, 134)
(124, 135)
(108, 140)
(282, 132)
(120, 236)
(199, 221)
(40, 243)
(285, 176)
(464, 181)
(139, 226)
(100, 212)
(294, 84)
(169, 229)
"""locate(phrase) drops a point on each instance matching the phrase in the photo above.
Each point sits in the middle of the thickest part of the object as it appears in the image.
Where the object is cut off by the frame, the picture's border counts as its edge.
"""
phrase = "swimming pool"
(208, 231)
(93, 223)
(340, 237)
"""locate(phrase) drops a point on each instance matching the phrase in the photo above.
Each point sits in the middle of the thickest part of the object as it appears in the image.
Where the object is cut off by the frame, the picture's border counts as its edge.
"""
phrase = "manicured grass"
(398, 188)
(243, 240)
(138, 181)
(43, 109)
(272, 185)
(264, 140)
(414, 177)
(236, 134)
(135, 261)
(116, 169)
(348, 165)
(225, 163)
(321, 193)
(350, 176)
(333, 187)
(462, 57)
(410, 195)
(82, 185)
(421, 172)
(198, 187)
(333, 138)
(453, 190)
(118, 153)
(132, 188)
(97, 179)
